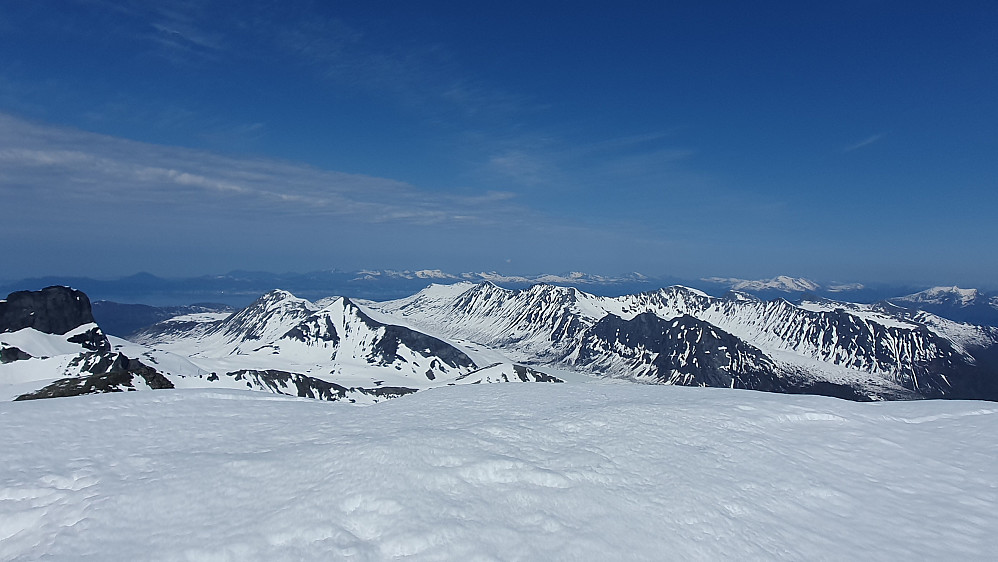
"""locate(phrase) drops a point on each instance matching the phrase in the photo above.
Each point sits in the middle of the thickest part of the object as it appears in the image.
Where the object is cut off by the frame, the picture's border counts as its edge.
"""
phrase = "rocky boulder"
(53, 310)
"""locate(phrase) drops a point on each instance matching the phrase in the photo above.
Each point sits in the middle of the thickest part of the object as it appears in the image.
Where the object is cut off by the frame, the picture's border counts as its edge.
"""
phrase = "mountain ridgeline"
(679, 335)
(51, 347)
(339, 348)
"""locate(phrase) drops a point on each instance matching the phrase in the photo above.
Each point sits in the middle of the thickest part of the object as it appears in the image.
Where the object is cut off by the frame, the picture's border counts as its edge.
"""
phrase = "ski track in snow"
(497, 472)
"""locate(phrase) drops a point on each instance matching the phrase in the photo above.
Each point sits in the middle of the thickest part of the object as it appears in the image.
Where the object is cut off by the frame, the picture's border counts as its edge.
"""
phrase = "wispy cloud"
(109, 205)
(57, 164)
(522, 167)
(552, 160)
(863, 143)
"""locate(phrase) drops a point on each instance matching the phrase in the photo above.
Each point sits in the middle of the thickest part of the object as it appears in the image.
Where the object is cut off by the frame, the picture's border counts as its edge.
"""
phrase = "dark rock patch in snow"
(304, 386)
(11, 354)
(121, 375)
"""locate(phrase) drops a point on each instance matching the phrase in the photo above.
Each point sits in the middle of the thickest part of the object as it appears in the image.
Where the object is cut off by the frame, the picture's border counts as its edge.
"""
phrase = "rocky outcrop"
(111, 373)
(304, 386)
(11, 354)
(53, 310)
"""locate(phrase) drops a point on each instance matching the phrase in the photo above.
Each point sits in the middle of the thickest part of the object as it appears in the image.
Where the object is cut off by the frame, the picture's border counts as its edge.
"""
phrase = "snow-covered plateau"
(594, 471)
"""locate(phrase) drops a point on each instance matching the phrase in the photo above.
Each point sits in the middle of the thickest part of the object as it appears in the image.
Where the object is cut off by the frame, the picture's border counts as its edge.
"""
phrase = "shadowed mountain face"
(682, 351)
(682, 336)
(53, 310)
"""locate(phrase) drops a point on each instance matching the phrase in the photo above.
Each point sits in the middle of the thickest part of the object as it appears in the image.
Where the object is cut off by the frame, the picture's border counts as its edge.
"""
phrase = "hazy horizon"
(513, 278)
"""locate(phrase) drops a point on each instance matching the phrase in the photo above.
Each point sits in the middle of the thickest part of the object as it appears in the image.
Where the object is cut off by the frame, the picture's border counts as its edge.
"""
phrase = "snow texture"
(595, 471)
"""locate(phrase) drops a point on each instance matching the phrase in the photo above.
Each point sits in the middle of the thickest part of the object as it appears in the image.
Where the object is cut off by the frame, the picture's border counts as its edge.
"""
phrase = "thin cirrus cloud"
(863, 143)
(422, 75)
(60, 166)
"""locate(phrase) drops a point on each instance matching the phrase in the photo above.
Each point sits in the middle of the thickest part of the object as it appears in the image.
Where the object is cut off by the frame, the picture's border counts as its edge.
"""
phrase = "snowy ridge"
(551, 325)
(779, 283)
(963, 305)
(683, 351)
(281, 331)
(280, 344)
(964, 337)
(941, 295)
(675, 335)
(332, 349)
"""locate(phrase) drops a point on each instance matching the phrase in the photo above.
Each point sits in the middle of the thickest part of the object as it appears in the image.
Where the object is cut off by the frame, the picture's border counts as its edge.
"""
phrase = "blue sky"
(848, 141)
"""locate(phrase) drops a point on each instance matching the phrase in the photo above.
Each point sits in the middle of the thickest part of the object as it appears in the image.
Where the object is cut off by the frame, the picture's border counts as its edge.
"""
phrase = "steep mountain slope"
(889, 356)
(280, 344)
(280, 330)
(338, 348)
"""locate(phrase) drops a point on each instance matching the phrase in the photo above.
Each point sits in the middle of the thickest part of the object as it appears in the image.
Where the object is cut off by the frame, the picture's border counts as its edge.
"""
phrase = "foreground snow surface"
(497, 472)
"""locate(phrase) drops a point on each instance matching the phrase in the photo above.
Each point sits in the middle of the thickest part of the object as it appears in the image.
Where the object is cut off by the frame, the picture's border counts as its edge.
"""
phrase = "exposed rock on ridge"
(53, 310)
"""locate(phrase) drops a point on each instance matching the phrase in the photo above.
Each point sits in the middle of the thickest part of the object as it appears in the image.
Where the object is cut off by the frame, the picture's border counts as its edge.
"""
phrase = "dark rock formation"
(93, 340)
(526, 374)
(53, 310)
(684, 351)
(120, 376)
(280, 382)
(11, 354)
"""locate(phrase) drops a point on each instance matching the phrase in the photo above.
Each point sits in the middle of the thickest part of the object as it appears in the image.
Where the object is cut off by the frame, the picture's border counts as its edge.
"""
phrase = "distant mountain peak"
(939, 295)
(783, 283)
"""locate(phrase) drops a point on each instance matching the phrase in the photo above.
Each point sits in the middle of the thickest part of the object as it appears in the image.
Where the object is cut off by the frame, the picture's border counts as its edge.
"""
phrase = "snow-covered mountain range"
(462, 333)
(680, 335)
(330, 350)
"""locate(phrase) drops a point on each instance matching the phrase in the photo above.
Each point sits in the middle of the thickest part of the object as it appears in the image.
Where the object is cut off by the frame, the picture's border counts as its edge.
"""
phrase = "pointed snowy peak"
(269, 317)
(343, 332)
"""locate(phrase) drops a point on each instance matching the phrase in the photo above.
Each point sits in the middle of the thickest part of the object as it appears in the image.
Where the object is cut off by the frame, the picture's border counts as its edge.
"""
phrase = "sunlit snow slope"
(500, 472)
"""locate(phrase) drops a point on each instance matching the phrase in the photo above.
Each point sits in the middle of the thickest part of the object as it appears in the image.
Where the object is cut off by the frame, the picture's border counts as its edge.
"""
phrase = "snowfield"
(594, 471)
